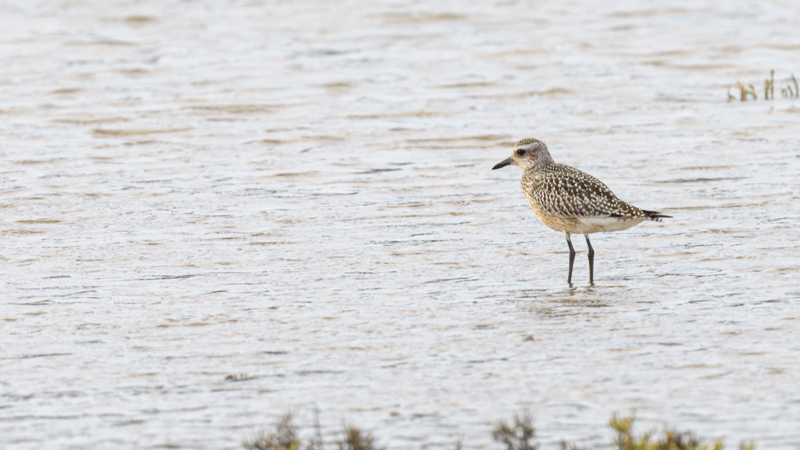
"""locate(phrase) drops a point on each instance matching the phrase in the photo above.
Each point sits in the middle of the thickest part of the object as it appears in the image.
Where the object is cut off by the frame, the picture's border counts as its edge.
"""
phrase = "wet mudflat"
(301, 196)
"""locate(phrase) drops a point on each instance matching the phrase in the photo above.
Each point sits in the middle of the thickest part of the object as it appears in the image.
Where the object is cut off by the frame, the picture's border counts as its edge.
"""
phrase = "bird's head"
(527, 153)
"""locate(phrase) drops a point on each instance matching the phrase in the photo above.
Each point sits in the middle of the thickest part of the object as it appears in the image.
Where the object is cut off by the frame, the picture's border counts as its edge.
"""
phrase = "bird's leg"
(591, 259)
(571, 257)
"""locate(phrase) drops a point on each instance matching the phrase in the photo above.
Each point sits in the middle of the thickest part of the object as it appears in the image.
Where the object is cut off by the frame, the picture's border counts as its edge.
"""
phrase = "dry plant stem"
(317, 430)
(745, 91)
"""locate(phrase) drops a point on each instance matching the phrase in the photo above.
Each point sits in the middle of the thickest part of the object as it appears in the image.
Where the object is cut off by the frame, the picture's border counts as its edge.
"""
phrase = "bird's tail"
(655, 215)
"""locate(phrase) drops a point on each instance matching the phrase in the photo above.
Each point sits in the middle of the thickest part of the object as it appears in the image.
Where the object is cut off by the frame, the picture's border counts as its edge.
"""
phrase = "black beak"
(502, 163)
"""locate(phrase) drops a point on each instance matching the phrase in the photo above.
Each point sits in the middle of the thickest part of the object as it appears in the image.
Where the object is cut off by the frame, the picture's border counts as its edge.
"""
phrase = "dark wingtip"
(655, 215)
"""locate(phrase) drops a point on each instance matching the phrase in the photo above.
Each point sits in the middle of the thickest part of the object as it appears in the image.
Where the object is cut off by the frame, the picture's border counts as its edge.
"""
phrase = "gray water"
(300, 194)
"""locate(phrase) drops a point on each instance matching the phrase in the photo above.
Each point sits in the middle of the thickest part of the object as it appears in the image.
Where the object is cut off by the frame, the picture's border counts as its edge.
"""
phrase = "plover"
(568, 200)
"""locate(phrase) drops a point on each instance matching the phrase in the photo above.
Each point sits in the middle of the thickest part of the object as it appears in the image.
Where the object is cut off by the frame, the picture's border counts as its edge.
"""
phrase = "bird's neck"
(540, 164)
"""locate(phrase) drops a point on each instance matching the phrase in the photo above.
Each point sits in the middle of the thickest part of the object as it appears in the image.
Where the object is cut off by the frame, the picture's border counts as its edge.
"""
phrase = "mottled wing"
(563, 191)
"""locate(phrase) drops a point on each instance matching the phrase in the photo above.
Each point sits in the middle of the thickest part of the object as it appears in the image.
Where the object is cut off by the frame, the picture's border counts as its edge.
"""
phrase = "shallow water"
(302, 194)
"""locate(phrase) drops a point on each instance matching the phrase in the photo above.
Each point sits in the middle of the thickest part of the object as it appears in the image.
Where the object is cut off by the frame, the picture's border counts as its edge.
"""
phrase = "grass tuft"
(283, 438)
(355, 439)
(792, 89)
(671, 439)
(516, 436)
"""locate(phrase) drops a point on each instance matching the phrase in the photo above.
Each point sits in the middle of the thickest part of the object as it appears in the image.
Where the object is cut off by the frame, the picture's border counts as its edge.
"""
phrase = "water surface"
(301, 193)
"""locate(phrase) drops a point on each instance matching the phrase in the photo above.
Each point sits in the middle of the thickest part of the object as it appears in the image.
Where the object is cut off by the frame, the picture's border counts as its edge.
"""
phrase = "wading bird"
(568, 200)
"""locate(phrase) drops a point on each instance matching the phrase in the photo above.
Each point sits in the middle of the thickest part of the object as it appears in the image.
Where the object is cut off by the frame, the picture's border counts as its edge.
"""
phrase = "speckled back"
(563, 191)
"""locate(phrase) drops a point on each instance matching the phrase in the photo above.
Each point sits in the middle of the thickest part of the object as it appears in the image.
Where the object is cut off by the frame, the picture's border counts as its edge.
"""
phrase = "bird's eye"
(520, 152)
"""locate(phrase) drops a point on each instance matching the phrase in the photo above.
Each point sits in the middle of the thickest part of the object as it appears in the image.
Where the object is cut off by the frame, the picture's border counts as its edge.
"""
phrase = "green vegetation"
(518, 437)
(670, 440)
(788, 92)
(515, 435)
(285, 437)
(792, 89)
(769, 86)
